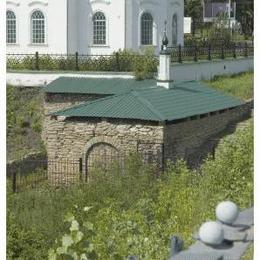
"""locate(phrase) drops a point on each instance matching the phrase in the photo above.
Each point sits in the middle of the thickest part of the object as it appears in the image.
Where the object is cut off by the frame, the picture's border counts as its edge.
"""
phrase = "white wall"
(205, 70)
(115, 16)
(72, 14)
(161, 10)
(56, 26)
(70, 29)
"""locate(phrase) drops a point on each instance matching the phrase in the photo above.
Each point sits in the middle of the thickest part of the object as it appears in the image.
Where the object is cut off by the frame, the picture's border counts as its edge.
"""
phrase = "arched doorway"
(101, 157)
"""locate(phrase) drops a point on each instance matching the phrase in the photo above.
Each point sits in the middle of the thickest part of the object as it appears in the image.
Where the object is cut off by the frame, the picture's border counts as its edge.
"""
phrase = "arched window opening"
(146, 29)
(99, 29)
(174, 29)
(37, 27)
(10, 27)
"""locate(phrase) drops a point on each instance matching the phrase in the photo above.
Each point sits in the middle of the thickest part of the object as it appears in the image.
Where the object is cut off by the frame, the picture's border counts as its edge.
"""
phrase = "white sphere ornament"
(211, 233)
(227, 212)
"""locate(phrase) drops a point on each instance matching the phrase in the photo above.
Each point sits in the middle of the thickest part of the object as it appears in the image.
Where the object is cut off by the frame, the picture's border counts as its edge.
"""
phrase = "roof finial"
(165, 39)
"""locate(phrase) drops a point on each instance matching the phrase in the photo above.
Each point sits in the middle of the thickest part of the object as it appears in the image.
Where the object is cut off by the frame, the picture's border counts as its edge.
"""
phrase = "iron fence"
(119, 61)
(208, 52)
(123, 61)
(63, 172)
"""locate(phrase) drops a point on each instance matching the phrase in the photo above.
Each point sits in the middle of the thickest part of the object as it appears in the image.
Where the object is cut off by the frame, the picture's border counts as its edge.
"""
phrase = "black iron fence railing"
(124, 61)
(119, 61)
(63, 172)
(208, 52)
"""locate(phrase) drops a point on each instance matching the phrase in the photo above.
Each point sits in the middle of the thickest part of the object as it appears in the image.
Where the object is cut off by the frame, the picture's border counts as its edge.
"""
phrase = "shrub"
(134, 213)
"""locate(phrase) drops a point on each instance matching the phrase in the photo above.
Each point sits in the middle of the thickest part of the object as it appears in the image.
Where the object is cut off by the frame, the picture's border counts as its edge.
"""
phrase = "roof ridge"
(85, 103)
(148, 105)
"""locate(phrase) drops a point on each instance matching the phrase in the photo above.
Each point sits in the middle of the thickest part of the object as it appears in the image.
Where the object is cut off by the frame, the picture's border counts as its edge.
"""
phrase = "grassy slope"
(239, 85)
(24, 121)
(174, 205)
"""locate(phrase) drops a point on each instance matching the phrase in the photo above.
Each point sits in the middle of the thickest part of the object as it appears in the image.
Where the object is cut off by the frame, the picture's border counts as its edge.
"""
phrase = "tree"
(193, 9)
(245, 15)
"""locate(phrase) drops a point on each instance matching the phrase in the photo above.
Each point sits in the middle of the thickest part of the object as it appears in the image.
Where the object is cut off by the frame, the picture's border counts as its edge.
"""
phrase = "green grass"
(24, 121)
(239, 85)
(249, 255)
(135, 213)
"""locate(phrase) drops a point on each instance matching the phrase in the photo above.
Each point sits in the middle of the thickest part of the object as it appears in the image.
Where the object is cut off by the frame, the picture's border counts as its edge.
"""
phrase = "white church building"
(91, 26)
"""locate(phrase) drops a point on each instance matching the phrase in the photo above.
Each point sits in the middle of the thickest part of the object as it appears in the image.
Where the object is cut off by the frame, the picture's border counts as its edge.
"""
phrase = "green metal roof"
(96, 85)
(185, 99)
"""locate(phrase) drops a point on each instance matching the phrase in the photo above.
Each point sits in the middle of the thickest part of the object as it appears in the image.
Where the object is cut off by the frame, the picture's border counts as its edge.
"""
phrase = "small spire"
(165, 39)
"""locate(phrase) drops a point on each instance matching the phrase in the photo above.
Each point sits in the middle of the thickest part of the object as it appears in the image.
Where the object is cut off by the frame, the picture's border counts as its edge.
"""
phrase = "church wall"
(72, 27)
(161, 11)
(55, 13)
(115, 25)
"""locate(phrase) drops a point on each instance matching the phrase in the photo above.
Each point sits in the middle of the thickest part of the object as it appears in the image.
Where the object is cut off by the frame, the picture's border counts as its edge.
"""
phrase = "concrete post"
(164, 70)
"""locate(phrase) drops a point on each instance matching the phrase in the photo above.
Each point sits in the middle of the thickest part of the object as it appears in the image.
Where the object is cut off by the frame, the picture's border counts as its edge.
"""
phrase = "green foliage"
(24, 121)
(135, 213)
(75, 245)
(21, 243)
(239, 85)
(144, 62)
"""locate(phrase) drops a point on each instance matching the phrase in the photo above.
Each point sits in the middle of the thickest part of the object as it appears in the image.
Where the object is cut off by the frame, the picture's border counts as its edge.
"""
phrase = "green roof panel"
(183, 100)
(109, 86)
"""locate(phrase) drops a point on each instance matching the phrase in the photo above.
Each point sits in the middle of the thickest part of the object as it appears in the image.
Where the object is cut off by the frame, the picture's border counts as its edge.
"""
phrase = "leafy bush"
(21, 243)
(123, 60)
(24, 121)
(75, 245)
(135, 213)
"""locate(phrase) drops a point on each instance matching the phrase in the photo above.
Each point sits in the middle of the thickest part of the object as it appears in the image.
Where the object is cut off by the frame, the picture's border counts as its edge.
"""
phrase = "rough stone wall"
(55, 101)
(194, 139)
(74, 138)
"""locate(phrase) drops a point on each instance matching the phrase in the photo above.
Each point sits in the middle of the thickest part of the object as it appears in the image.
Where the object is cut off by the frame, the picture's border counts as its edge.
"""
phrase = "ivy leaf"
(69, 217)
(52, 255)
(90, 248)
(86, 209)
(67, 241)
(83, 257)
(77, 237)
(74, 226)
(88, 225)
(61, 250)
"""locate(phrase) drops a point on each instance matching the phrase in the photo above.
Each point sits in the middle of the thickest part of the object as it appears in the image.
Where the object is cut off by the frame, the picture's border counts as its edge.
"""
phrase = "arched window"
(99, 28)
(146, 29)
(37, 27)
(174, 29)
(10, 27)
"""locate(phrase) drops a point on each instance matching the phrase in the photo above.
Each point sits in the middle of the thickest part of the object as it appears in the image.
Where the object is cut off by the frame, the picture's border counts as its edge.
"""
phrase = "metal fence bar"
(121, 61)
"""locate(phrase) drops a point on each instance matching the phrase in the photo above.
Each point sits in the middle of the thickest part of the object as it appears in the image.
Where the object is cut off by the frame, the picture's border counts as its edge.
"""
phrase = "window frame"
(150, 41)
(32, 42)
(104, 41)
(15, 26)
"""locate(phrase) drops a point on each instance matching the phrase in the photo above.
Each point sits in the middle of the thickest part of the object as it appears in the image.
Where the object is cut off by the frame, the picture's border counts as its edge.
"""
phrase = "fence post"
(37, 61)
(14, 181)
(117, 62)
(222, 52)
(195, 53)
(246, 54)
(77, 60)
(209, 52)
(234, 51)
(80, 168)
(179, 54)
